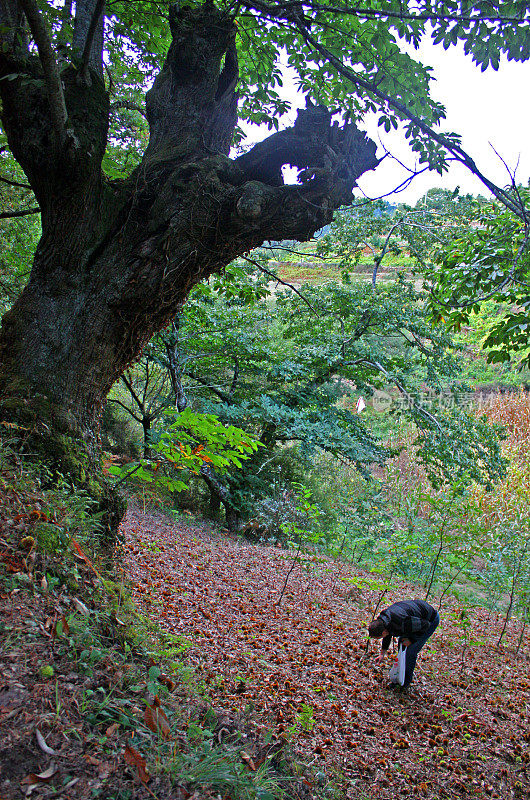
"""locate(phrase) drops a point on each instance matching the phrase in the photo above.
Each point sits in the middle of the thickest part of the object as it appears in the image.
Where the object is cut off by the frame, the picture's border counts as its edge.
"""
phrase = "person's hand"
(405, 642)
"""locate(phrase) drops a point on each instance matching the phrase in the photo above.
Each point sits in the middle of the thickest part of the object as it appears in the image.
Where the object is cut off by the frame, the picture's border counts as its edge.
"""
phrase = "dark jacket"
(409, 619)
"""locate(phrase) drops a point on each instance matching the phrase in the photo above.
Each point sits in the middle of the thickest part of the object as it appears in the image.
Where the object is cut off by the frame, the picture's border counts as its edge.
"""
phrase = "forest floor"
(241, 681)
(463, 730)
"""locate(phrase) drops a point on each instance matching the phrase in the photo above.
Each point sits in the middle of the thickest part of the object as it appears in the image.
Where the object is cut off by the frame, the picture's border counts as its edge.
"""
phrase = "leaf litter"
(304, 670)
(300, 669)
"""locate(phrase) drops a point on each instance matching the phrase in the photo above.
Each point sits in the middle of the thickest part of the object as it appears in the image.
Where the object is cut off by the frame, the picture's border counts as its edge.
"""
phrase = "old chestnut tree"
(123, 117)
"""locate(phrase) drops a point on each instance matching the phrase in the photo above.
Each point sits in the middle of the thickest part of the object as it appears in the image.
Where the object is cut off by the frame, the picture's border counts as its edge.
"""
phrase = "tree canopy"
(347, 57)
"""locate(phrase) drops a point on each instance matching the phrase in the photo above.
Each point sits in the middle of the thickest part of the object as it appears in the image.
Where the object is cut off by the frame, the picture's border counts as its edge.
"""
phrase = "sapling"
(518, 561)
(296, 533)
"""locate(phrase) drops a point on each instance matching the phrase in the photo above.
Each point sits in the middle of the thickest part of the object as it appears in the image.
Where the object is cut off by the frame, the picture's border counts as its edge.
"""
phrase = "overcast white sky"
(484, 107)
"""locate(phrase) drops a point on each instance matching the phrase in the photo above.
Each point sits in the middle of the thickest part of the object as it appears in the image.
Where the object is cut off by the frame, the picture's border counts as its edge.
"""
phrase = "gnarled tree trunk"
(117, 259)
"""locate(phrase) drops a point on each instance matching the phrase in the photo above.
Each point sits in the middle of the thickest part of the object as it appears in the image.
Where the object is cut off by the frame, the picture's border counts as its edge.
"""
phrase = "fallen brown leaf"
(156, 721)
(134, 759)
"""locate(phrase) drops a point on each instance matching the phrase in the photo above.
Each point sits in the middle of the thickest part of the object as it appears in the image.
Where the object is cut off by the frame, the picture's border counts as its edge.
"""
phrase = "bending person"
(413, 622)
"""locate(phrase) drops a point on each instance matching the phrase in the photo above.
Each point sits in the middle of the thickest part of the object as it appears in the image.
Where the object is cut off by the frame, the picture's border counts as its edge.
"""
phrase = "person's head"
(376, 629)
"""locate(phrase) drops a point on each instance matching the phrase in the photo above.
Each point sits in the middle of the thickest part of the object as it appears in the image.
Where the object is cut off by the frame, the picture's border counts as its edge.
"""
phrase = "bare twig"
(279, 280)
(419, 408)
(15, 183)
(295, 559)
(125, 477)
(129, 411)
(289, 8)
(378, 259)
(24, 213)
(129, 106)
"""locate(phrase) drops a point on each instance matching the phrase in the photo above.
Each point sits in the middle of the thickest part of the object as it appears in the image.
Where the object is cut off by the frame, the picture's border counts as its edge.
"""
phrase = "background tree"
(289, 372)
(418, 233)
(147, 393)
(132, 220)
(488, 263)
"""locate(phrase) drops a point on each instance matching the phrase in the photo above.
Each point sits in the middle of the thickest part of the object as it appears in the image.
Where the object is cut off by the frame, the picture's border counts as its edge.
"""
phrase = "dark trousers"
(414, 648)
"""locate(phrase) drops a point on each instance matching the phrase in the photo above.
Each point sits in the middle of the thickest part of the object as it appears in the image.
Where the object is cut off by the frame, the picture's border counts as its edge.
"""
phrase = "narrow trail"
(462, 731)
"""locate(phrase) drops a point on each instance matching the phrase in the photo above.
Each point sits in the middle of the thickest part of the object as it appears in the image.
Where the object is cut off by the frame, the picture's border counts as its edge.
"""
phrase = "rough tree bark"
(117, 259)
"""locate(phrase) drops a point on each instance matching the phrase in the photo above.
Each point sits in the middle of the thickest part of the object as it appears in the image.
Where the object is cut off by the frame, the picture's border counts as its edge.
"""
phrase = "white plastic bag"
(397, 671)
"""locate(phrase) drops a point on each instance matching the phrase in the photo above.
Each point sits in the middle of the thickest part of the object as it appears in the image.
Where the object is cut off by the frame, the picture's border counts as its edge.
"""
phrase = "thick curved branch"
(192, 106)
(315, 145)
(330, 158)
(231, 207)
(50, 68)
